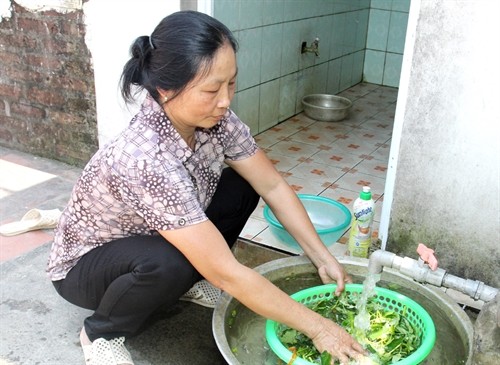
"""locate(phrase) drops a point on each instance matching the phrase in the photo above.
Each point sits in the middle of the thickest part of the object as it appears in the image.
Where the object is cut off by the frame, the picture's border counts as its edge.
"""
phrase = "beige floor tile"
(306, 186)
(382, 152)
(355, 146)
(355, 181)
(341, 195)
(373, 167)
(332, 159)
(337, 158)
(294, 149)
(281, 162)
(253, 228)
(323, 173)
(364, 135)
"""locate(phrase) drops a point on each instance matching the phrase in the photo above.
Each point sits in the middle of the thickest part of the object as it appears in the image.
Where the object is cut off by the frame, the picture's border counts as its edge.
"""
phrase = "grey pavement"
(39, 327)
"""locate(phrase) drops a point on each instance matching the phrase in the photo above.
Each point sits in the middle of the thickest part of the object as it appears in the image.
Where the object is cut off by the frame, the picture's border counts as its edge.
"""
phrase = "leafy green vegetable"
(390, 337)
(232, 318)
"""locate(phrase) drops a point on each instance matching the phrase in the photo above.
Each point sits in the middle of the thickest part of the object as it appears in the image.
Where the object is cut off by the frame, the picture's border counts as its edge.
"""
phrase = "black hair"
(181, 46)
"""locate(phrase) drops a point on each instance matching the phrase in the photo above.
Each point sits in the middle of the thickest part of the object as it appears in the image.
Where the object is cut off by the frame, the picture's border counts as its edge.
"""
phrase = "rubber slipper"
(33, 220)
(112, 352)
(87, 353)
(203, 293)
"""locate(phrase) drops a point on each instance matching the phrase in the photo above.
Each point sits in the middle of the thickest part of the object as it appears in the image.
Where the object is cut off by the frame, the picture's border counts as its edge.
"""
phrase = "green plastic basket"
(389, 299)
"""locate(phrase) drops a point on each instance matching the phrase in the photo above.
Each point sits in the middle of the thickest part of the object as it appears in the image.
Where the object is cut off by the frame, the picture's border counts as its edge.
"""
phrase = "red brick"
(46, 97)
(27, 110)
(64, 119)
(11, 91)
(29, 25)
(45, 61)
(19, 42)
(72, 27)
(9, 59)
(5, 136)
(25, 76)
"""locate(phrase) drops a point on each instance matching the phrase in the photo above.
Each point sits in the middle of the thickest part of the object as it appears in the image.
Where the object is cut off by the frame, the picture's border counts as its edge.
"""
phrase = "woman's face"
(205, 99)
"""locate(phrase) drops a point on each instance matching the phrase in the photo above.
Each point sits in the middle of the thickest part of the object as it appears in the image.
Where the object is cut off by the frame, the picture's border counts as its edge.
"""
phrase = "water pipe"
(425, 270)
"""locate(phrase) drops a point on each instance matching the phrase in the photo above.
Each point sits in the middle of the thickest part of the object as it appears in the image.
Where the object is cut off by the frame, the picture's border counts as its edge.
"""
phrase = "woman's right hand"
(215, 262)
(337, 342)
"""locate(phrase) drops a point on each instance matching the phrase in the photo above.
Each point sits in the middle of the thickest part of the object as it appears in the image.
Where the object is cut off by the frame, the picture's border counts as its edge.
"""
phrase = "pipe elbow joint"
(378, 260)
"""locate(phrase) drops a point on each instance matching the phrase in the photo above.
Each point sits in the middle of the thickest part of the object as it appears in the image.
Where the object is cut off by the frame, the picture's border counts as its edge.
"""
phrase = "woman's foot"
(84, 339)
(104, 352)
(86, 347)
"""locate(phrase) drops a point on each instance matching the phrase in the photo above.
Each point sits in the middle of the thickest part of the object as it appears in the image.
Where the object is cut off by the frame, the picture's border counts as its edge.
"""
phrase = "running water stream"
(362, 319)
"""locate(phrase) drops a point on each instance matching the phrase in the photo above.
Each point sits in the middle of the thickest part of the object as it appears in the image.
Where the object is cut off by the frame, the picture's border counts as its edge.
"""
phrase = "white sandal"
(104, 352)
(87, 353)
(203, 293)
(33, 220)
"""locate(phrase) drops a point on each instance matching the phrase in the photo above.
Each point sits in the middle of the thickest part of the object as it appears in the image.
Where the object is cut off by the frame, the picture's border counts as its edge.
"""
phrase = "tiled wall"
(273, 74)
(360, 40)
(385, 41)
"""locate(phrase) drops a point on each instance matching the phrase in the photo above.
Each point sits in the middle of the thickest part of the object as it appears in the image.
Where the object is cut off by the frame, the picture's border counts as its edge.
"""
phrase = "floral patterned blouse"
(145, 180)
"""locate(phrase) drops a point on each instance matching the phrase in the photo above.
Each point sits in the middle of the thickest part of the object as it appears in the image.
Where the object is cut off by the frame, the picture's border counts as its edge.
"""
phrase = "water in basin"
(246, 337)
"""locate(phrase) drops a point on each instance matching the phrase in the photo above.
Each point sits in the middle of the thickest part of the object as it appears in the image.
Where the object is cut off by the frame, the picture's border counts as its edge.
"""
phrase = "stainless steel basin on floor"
(326, 107)
(240, 334)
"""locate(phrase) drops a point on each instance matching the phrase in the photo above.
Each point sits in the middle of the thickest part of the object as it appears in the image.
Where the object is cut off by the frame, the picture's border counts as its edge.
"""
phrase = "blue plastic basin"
(329, 217)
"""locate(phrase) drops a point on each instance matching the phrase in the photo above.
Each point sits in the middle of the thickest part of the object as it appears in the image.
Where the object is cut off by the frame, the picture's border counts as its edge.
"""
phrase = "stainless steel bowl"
(325, 107)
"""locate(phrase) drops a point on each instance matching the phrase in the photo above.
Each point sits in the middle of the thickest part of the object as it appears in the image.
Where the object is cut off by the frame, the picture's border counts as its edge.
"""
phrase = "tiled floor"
(332, 159)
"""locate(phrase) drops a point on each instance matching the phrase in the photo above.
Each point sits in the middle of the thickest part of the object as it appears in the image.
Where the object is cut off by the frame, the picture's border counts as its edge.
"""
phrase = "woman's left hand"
(334, 271)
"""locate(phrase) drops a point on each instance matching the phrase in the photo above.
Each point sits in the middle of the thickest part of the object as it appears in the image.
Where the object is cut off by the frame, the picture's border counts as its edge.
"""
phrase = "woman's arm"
(204, 246)
(288, 209)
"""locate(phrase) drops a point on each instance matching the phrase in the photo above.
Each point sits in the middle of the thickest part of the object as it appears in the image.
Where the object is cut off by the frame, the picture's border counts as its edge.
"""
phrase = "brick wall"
(47, 89)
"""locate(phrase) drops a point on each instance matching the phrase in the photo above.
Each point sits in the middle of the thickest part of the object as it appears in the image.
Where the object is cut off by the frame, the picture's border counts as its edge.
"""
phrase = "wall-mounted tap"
(313, 48)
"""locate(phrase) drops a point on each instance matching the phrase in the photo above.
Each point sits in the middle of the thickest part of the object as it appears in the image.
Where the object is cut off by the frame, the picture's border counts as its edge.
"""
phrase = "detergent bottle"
(360, 237)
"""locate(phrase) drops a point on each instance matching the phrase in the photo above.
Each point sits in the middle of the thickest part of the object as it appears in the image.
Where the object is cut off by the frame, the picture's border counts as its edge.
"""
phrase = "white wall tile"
(319, 79)
(249, 57)
(378, 29)
(273, 11)
(287, 95)
(346, 71)
(308, 33)
(333, 83)
(401, 5)
(337, 40)
(374, 66)
(362, 29)
(397, 32)
(290, 48)
(392, 70)
(248, 107)
(272, 39)
(228, 12)
(350, 27)
(357, 67)
(251, 13)
(269, 104)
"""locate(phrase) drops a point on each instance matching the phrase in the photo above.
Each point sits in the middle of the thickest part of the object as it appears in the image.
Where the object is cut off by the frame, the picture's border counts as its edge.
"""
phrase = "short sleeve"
(238, 141)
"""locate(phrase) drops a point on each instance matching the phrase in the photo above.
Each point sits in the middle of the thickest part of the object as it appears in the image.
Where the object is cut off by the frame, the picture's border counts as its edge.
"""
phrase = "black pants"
(126, 280)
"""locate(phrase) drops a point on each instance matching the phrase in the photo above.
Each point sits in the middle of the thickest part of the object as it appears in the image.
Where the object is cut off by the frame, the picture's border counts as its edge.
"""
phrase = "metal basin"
(325, 107)
(240, 334)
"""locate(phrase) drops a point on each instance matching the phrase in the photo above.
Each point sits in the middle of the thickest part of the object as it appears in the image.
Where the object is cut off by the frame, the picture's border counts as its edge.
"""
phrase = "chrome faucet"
(313, 48)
